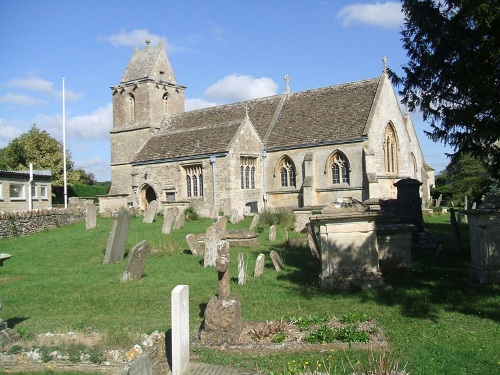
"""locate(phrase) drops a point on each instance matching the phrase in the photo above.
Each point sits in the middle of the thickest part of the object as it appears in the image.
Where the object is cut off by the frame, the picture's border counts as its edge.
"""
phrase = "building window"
(164, 103)
(131, 100)
(43, 191)
(287, 172)
(339, 168)
(194, 181)
(16, 191)
(33, 192)
(247, 172)
(390, 150)
(170, 197)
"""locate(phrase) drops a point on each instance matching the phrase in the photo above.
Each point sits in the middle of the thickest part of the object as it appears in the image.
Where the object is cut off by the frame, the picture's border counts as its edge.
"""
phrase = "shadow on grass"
(434, 283)
(12, 322)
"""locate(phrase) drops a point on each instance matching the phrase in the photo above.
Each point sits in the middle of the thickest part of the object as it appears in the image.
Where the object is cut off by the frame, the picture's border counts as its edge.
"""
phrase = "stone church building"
(296, 149)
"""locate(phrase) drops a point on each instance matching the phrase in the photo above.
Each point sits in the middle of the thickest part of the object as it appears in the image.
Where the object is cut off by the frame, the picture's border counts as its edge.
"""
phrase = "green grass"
(434, 319)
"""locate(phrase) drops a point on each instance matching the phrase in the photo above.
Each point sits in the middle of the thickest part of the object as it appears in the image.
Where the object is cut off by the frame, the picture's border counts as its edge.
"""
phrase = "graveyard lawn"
(433, 319)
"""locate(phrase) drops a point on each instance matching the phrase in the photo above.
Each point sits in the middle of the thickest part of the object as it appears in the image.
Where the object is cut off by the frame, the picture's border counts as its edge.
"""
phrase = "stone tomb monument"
(118, 236)
(348, 245)
(137, 259)
(484, 227)
(223, 323)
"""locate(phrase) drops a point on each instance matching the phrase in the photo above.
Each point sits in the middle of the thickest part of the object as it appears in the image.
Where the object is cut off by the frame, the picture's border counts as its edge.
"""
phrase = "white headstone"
(272, 233)
(241, 269)
(90, 216)
(180, 329)
(259, 265)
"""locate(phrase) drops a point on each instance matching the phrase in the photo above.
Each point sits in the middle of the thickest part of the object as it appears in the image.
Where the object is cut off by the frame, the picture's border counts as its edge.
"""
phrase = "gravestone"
(180, 218)
(137, 259)
(438, 202)
(223, 323)
(277, 262)
(194, 245)
(180, 329)
(221, 223)
(272, 233)
(241, 269)
(466, 203)
(410, 203)
(259, 265)
(212, 238)
(255, 222)
(169, 215)
(118, 236)
(150, 214)
(142, 365)
(235, 218)
(90, 216)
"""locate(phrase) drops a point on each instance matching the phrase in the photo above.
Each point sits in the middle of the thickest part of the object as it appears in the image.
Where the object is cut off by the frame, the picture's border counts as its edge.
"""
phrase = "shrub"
(281, 217)
(191, 214)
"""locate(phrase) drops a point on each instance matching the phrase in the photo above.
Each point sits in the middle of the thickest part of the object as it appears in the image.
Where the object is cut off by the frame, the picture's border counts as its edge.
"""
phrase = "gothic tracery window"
(286, 170)
(194, 181)
(340, 169)
(390, 150)
(247, 172)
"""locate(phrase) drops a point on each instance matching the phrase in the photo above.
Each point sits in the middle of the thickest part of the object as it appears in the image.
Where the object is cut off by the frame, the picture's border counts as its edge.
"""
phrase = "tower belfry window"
(131, 100)
(164, 103)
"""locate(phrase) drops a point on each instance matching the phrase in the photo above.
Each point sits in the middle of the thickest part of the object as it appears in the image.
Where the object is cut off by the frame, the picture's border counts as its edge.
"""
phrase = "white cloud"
(234, 88)
(95, 125)
(192, 104)
(40, 85)
(387, 15)
(218, 32)
(10, 130)
(21, 99)
(136, 37)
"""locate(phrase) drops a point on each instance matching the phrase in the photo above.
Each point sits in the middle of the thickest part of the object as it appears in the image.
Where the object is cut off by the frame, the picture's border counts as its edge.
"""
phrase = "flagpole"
(64, 148)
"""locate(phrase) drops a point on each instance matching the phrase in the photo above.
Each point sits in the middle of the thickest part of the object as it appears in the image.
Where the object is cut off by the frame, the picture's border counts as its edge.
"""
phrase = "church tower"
(148, 92)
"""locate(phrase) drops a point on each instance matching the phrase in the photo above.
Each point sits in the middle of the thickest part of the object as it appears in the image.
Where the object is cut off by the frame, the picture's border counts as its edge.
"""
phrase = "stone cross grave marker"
(255, 221)
(212, 238)
(241, 269)
(277, 262)
(180, 329)
(150, 214)
(194, 245)
(118, 236)
(137, 259)
(169, 215)
(259, 265)
(222, 267)
(90, 215)
(272, 233)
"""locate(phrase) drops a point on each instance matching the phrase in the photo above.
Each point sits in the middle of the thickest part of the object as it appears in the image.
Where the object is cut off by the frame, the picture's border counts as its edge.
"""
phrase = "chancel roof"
(321, 116)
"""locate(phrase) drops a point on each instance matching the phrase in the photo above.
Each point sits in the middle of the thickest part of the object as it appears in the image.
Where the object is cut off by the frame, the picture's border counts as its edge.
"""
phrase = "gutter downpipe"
(264, 195)
(30, 195)
(212, 163)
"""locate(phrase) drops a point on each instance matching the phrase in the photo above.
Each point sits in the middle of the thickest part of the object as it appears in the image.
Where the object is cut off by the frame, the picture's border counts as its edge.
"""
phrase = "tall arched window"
(194, 180)
(252, 178)
(131, 100)
(390, 150)
(247, 177)
(286, 170)
(188, 183)
(247, 172)
(340, 170)
(164, 103)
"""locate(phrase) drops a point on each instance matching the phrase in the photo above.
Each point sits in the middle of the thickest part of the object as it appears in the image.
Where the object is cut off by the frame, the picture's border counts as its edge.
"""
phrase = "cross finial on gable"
(246, 110)
(384, 60)
(287, 80)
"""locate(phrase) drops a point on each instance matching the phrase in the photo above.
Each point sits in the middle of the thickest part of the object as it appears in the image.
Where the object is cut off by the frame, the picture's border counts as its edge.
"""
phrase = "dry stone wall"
(25, 223)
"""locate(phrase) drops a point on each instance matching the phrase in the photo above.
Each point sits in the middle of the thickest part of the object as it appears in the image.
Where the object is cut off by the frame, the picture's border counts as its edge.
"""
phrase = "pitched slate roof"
(326, 115)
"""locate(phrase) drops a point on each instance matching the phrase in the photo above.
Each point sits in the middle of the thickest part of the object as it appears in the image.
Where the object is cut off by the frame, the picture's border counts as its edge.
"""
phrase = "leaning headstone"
(169, 215)
(277, 262)
(259, 266)
(136, 261)
(438, 202)
(194, 245)
(150, 214)
(90, 216)
(272, 233)
(241, 269)
(255, 222)
(180, 329)
(179, 220)
(142, 365)
(118, 236)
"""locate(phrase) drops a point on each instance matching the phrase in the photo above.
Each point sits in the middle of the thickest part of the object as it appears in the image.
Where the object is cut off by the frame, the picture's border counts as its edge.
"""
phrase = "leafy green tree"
(38, 147)
(453, 73)
(466, 176)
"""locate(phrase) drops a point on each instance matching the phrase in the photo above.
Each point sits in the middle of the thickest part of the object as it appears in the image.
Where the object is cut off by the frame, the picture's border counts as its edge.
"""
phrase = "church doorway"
(147, 195)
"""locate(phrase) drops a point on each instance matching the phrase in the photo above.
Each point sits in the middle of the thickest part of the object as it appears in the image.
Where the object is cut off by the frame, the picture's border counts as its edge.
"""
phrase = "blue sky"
(222, 51)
